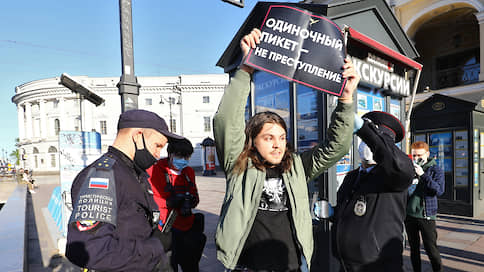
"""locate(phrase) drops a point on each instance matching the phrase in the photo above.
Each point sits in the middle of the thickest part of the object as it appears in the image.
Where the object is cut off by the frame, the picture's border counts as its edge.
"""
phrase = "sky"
(43, 39)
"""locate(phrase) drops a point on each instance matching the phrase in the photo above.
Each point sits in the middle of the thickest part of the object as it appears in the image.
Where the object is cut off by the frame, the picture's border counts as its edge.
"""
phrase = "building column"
(28, 120)
(480, 20)
(21, 121)
(43, 119)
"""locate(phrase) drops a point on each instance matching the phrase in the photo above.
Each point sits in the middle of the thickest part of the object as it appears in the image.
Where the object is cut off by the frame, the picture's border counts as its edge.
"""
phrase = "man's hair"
(181, 148)
(252, 129)
(146, 131)
(420, 145)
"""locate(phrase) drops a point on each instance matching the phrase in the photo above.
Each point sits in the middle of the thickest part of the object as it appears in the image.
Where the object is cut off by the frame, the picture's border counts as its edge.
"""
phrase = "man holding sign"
(265, 222)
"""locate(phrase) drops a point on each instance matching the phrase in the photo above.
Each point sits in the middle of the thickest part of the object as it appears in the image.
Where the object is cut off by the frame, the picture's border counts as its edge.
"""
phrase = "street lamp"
(82, 91)
(170, 101)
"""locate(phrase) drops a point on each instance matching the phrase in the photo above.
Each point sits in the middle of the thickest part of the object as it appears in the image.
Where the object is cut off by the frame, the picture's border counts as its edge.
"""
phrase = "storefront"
(454, 130)
(387, 71)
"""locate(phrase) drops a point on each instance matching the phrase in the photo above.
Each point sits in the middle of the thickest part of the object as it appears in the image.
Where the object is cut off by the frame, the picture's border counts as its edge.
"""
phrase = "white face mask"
(366, 155)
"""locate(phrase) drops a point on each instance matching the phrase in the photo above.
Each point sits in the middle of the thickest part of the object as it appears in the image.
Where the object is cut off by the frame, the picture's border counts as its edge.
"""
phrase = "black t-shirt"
(271, 244)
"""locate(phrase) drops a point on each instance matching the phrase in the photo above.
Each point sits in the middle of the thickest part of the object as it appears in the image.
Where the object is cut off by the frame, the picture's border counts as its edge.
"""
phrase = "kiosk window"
(307, 118)
(369, 101)
(395, 108)
(272, 94)
(461, 159)
(441, 149)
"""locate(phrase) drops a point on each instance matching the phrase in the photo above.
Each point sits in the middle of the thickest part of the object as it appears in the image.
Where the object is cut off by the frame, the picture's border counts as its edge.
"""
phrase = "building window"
(207, 126)
(56, 104)
(103, 126)
(53, 160)
(173, 125)
(206, 99)
(148, 101)
(56, 126)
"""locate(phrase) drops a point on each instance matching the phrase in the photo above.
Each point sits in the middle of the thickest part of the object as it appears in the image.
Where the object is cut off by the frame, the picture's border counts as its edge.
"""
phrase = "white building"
(45, 107)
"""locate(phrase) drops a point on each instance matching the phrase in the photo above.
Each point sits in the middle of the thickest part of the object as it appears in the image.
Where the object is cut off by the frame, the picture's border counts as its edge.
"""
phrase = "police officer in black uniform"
(368, 219)
(113, 226)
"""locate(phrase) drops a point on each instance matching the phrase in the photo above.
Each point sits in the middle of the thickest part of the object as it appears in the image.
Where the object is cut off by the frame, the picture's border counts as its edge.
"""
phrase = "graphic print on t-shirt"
(274, 195)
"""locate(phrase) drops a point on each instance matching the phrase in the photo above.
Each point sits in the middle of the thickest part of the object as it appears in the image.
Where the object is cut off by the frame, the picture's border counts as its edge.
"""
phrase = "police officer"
(113, 226)
(368, 220)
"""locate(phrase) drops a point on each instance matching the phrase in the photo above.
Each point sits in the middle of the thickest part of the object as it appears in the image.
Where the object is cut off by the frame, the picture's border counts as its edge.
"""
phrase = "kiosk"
(382, 54)
(208, 156)
(454, 129)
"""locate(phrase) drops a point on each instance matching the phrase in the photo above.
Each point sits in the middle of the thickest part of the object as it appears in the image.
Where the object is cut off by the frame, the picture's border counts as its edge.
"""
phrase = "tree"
(16, 154)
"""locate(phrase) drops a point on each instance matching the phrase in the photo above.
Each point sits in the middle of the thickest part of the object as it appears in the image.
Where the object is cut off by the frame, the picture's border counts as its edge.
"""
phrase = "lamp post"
(170, 101)
(128, 84)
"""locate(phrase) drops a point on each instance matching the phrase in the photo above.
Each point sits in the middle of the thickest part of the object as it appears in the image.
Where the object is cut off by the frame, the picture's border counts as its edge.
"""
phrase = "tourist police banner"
(301, 46)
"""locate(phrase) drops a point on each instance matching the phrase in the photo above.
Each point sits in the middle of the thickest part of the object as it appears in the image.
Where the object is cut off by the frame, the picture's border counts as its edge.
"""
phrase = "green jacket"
(243, 191)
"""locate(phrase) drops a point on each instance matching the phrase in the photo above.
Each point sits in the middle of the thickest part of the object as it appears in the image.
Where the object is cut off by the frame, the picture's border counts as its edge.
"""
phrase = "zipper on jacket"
(252, 219)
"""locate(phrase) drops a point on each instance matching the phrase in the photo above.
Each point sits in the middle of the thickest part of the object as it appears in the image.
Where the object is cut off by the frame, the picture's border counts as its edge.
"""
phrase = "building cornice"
(465, 89)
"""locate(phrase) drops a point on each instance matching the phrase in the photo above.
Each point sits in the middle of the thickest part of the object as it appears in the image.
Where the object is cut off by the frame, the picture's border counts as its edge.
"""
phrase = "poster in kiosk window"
(301, 46)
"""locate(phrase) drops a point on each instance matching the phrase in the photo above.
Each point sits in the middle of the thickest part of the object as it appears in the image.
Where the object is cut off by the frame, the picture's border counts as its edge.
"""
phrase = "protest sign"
(301, 46)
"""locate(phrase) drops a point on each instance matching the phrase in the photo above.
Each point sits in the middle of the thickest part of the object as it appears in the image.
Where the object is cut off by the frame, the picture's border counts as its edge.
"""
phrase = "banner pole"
(409, 112)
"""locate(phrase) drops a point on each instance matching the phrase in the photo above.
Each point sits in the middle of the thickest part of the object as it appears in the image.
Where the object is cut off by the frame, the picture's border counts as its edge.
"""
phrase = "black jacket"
(373, 241)
(128, 246)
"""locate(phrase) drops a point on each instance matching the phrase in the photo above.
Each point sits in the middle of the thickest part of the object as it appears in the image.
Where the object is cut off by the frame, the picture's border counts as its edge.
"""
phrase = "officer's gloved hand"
(358, 123)
(165, 238)
(322, 209)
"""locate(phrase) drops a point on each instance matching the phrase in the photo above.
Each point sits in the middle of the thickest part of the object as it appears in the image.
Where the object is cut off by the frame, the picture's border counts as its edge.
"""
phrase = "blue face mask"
(179, 163)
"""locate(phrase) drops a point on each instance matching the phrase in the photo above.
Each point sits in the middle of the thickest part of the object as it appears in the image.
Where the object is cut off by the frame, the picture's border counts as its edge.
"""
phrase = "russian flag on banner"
(99, 183)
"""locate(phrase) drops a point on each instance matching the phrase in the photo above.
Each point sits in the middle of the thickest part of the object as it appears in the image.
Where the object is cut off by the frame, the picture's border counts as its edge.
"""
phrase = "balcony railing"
(462, 75)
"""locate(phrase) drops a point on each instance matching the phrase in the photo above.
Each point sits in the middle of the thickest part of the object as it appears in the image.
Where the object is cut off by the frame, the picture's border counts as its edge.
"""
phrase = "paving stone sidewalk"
(460, 239)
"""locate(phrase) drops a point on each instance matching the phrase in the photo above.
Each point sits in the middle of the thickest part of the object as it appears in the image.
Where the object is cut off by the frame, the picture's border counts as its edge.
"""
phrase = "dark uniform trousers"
(429, 237)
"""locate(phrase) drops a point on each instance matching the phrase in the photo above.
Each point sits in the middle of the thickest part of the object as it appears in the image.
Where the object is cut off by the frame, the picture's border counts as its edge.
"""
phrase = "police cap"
(388, 123)
(145, 119)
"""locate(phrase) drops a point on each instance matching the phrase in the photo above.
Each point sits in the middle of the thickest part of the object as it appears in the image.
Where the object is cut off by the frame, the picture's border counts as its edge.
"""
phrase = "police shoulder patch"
(96, 201)
(87, 225)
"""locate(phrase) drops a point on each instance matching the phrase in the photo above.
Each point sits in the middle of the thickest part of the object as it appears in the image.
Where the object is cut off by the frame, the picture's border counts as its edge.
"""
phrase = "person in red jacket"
(175, 190)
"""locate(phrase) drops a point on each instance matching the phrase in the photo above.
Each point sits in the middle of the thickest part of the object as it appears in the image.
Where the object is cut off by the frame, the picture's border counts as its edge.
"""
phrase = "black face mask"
(142, 157)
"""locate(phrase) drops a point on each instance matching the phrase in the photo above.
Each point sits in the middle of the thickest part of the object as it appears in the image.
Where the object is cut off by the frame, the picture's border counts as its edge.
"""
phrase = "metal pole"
(128, 84)
(409, 113)
(80, 112)
(171, 115)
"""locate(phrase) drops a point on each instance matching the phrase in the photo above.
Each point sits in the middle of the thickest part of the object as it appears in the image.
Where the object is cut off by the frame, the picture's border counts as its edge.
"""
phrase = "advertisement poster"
(343, 166)
(77, 150)
(369, 102)
(440, 148)
(395, 108)
(301, 46)
(461, 158)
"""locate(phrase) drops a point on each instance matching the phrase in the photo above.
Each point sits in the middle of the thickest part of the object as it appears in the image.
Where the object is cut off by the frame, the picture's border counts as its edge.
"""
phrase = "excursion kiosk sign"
(301, 46)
